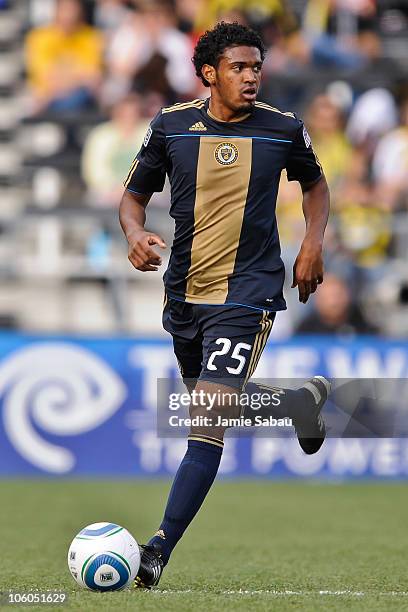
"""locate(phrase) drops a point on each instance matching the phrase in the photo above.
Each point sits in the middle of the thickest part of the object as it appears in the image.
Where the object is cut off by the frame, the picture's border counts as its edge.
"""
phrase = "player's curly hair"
(213, 43)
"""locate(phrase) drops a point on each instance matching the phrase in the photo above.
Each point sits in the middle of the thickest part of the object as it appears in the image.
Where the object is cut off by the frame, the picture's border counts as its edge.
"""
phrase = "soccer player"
(223, 286)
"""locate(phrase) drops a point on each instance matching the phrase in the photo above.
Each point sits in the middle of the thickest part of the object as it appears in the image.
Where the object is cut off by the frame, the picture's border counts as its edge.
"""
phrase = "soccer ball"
(104, 557)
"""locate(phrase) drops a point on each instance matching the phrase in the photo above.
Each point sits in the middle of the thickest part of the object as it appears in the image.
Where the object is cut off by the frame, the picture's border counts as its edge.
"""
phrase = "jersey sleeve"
(302, 164)
(148, 170)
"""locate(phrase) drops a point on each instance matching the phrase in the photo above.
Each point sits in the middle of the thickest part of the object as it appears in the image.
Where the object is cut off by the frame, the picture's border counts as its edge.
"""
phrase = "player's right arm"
(146, 175)
(132, 218)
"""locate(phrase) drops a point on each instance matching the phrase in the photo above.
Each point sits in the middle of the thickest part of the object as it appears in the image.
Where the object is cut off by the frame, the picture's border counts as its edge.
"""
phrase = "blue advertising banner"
(87, 407)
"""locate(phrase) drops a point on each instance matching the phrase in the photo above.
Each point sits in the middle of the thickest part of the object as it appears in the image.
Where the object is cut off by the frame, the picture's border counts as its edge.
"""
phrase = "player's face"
(238, 76)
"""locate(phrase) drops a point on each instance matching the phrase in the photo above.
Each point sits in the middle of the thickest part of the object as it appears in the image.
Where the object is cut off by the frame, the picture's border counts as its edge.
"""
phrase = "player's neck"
(220, 112)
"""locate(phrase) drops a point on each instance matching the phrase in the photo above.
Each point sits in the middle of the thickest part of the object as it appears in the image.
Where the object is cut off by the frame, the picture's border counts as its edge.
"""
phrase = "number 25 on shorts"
(226, 342)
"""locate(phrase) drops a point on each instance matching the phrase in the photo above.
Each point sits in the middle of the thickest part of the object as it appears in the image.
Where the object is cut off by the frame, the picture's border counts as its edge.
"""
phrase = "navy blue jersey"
(224, 179)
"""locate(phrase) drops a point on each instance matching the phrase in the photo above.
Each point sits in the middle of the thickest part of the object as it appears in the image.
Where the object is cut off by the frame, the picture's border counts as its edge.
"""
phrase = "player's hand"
(141, 254)
(308, 270)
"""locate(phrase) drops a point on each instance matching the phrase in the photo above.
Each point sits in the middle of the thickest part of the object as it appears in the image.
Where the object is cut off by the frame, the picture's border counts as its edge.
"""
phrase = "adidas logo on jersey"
(198, 127)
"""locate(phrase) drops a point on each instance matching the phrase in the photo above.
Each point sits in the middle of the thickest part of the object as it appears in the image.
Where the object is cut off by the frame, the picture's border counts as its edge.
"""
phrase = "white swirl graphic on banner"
(62, 388)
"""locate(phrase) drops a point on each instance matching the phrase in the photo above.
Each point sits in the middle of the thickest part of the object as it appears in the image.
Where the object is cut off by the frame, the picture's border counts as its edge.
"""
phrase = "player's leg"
(302, 405)
(234, 357)
(179, 320)
(216, 395)
(200, 464)
(232, 345)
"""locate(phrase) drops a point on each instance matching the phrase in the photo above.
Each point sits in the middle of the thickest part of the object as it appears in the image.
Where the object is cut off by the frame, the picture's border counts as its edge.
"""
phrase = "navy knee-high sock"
(191, 484)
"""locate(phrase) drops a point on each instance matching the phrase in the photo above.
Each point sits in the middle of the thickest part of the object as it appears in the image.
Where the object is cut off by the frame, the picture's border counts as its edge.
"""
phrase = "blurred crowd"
(120, 60)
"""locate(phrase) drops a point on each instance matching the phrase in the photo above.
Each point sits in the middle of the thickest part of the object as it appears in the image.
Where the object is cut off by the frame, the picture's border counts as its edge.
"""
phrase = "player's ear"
(208, 73)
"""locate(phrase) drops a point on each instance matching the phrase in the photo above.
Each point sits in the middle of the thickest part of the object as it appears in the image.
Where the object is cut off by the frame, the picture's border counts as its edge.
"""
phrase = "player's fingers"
(308, 290)
(294, 279)
(155, 239)
(304, 291)
(313, 286)
(300, 290)
(141, 264)
(145, 254)
(320, 279)
(154, 262)
(147, 268)
(152, 257)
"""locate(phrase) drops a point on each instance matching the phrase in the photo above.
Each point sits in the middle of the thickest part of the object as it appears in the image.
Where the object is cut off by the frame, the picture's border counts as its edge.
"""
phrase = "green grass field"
(254, 546)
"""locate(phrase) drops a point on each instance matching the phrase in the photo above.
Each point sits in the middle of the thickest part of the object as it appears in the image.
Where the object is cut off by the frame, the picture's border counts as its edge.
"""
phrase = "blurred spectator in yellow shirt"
(289, 213)
(64, 60)
(109, 150)
(211, 11)
(324, 121)
(364, 225)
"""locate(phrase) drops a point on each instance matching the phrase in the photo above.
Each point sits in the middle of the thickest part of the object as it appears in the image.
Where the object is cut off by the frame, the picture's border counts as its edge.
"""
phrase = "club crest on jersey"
(226, 153)
(147, 137)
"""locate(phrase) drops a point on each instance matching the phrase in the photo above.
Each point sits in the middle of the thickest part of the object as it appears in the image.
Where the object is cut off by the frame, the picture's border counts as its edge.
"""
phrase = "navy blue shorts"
(217, 342)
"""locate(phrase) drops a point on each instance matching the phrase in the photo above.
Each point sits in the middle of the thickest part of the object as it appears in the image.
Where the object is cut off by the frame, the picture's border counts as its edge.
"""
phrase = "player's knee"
(212, 408)
(214, 398)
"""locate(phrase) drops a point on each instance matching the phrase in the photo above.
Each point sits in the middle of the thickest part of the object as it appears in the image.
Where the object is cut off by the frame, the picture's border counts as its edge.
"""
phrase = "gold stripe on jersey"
(180, 104)
(131, 172)
(221, 193)
(184, 105)
(272, 108)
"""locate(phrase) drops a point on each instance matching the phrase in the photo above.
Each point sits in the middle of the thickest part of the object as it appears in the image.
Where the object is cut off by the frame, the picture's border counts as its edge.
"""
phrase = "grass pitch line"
(285, 593)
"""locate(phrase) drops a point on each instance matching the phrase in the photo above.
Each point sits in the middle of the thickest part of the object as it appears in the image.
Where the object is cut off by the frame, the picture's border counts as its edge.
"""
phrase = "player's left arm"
(303, 166)
(308, 266)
